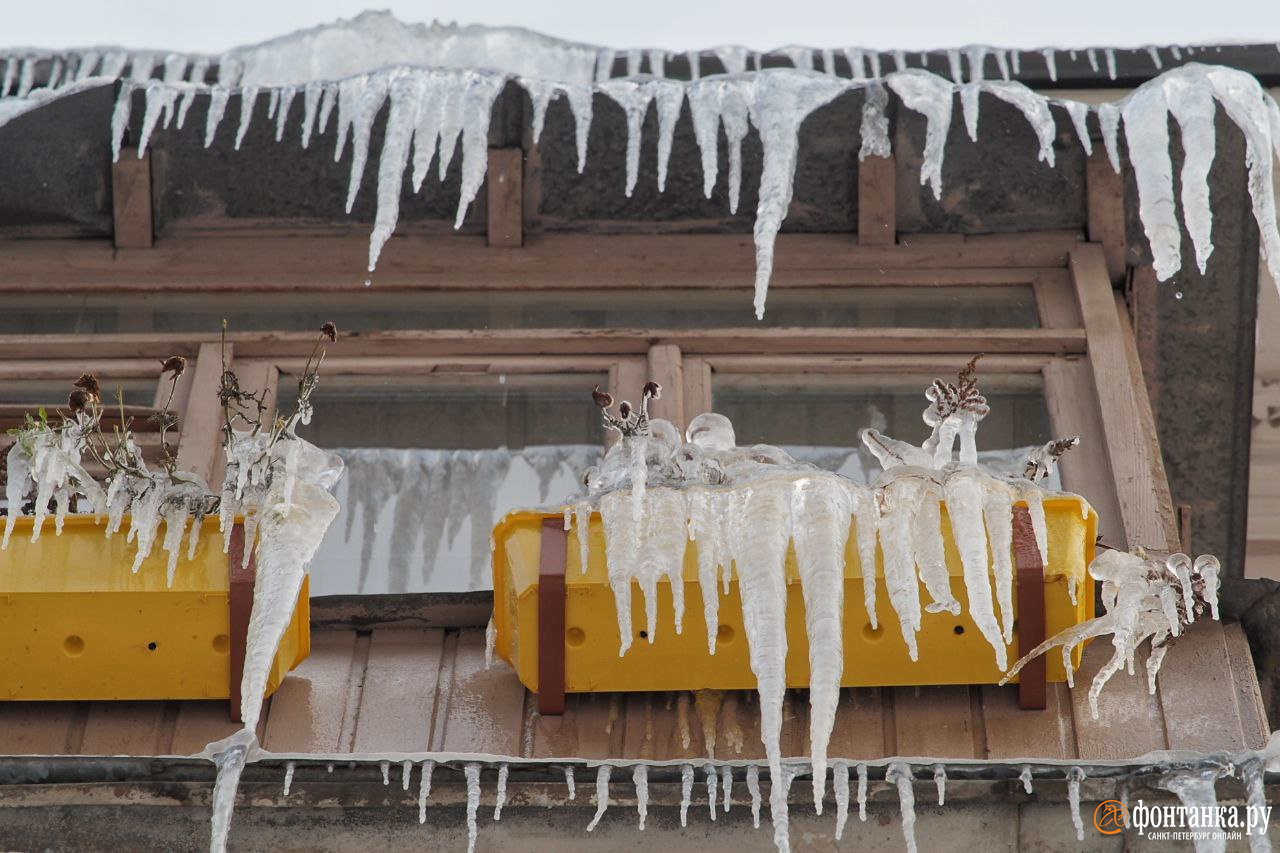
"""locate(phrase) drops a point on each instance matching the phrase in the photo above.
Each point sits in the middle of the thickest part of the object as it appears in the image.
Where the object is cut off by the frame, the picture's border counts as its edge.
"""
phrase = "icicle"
(997, 512)
(840, 782)
(385, 767)
(120, 119)
(1015, 57)
(1092, 55)
(801, 57)
(977, 56)
(1110, 55)
(874, 59)
(568, 781)
(686, 792)
(964, 494)
(1154, 53)
(288, 777)
(230, 764)
(1034, 108)
(10, 75)
(424, 788)
(1002, 63)
(248, 96)
(732, 57)
(899, 61)
(1074, 776)
(1051, 62)
(602, 794)
(726, 786)
(753, 788)
(1251, 773)
(1146, 131)
(781, 103)
(1193, 107)
(1109, 118)
(862, 792)
(26, 77)
(500, 798)
(472, 773)
(640, 777)
(825, 505)
(1025, 778)
(1079, 114)
(406, 771)
(695, 63)
(931, 97)
(953, 65)
(604, 63)
(490, 641)
(875, 124)
(218, 98)
(900, 775)
(713, 788)
(287, 94)
(940, 780)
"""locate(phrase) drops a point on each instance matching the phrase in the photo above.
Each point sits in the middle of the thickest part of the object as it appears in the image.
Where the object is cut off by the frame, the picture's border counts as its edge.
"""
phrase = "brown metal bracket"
(240, 600)
(551, 602)
(1033, 687)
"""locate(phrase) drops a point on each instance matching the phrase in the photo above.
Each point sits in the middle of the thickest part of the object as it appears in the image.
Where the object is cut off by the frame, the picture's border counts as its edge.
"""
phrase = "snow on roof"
(439, 83)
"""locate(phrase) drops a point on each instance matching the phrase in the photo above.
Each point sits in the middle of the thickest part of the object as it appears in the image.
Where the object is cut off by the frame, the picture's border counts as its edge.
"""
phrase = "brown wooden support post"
(240, 601)
(1143, 291)
(1105, 200)
(131, 200)
(506, 197)
(551, 602)
(201, 421)
(877, 202)
(666, 367)
(1033, 687)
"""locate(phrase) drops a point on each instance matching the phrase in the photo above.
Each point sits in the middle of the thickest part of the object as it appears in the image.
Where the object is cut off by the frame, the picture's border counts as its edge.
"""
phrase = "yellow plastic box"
(952, 650)
(77, 623)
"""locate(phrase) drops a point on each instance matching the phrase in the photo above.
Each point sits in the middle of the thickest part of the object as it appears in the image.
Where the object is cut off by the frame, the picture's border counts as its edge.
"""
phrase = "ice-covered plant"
(1147, 599)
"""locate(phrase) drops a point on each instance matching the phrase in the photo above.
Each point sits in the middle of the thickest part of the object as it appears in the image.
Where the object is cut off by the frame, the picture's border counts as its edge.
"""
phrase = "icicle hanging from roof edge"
(634, 97)
(1193, 108)
(875, 123)
(713, 102)
(779, 105)
(931, 96)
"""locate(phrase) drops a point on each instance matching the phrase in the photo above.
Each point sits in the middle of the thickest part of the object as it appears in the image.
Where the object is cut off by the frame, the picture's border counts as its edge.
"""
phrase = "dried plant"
(1042, 461)
(950, 398)
(627, 422)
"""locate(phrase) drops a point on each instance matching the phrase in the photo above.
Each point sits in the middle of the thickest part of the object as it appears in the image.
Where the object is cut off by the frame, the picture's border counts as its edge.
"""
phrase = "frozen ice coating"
(472, 64)
(385, 767)
(726, 786)
(1196, 790)
(406, 773)
(840, 784)
(940, 782)
(568, 781)
(1025, 778)
(686, 793)
(602, 794)
(713, 787)
(640, 778)
(862, 792)
(753, 788)
(229, 757)
(424, 788)
(899, 775)
(1074, 776)
(288, 777)
(1146, 600)
(471, 771)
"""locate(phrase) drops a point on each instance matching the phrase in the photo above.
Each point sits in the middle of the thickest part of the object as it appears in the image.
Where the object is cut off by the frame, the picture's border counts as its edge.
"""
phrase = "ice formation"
(568, 781)
(899, 775)
(686, 792)
(726, 786)
(385, 767)
(424, 788)
(440, 83)
(1146, 599)
(1196, 790)
(500, 795)
(603, 773)
(1025, 778)
(471, 771)
(640, 778)
(940, 781)
(1074, 777)
(744, 507)
(406, 772)
(840, 782)
(862, 792)
(288, 778)
(753, 788)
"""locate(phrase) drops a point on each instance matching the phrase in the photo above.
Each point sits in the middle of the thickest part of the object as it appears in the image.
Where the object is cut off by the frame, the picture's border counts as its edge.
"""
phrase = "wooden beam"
(697, 387)
(561, 342)
(506, 197)
(1129, 428)
(201, 421)
(666, 367)
(877, 202)
(626, 379)
(1144, 291)
(131, 200)
(548, 262)
(1105, 198)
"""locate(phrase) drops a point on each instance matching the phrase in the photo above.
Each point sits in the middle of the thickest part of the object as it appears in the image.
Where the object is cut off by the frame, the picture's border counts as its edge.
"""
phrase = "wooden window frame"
(1084, 346)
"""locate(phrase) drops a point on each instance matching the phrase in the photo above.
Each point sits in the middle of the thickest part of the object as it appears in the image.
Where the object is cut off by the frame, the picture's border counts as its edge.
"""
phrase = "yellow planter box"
(77, 623)
(952, 650)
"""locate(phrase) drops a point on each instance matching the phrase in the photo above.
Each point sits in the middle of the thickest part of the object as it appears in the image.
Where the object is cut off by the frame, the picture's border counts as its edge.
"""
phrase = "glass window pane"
(433, 463)
(818, 417)
(373, 310)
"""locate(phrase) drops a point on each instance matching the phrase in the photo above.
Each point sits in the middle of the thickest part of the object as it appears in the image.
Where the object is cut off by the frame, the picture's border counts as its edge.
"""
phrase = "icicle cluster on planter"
(440, 83)
(745, 506)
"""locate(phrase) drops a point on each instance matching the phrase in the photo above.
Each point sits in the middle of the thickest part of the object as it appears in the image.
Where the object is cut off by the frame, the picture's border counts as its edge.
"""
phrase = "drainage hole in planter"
(151, 646)
(73, 646)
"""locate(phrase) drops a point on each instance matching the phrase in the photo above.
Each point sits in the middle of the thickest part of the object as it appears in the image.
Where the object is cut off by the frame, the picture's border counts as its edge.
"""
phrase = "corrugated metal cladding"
(410, 690)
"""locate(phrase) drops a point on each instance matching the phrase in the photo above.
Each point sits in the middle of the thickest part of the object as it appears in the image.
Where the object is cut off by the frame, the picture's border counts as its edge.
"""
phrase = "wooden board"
(201, 421)
(505, 184)
(309, 709)
(1013, 732)
(877, 201)
(1105, 199)
(936, 722)
(666, 367)
(131, 200)
(1194, 679)
(400, 683)
(1129, 721)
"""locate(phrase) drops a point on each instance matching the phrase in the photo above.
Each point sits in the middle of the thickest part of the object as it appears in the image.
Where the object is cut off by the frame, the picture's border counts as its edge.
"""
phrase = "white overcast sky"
(213, 25)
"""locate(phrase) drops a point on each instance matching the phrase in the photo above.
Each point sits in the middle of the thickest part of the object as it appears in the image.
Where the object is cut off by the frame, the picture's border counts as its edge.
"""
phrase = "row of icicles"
(1195, 788)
